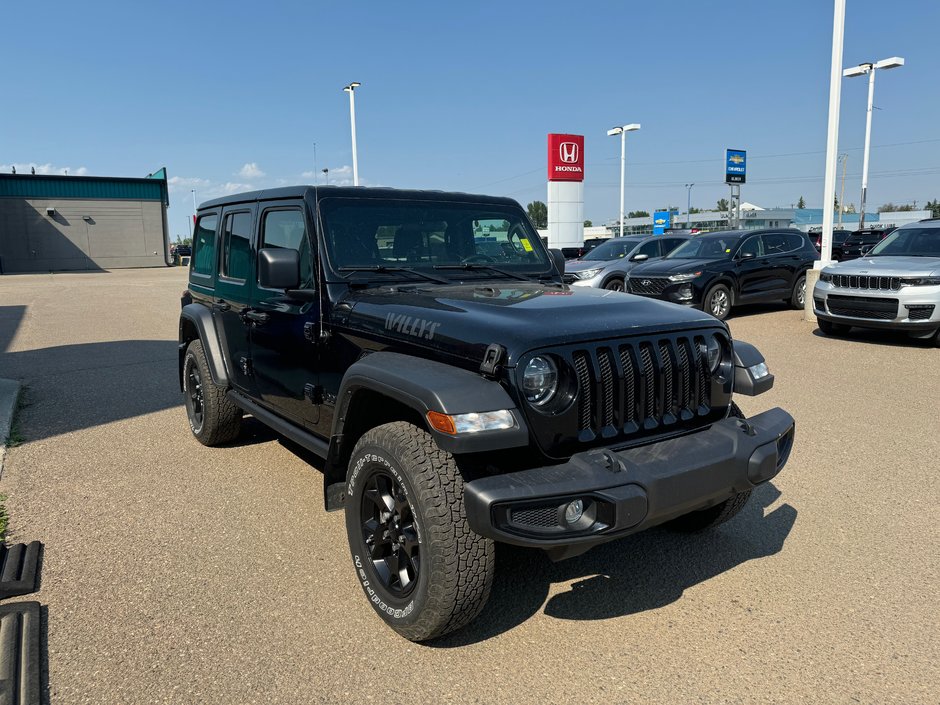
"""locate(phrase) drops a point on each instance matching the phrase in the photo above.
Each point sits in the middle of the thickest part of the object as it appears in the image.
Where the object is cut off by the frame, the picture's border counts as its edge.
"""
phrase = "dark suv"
(717, 271)
(861, 241)
(460, 397)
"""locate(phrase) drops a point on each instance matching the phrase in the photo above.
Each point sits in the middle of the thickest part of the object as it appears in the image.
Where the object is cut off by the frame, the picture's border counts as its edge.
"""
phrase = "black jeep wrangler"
(425, 346)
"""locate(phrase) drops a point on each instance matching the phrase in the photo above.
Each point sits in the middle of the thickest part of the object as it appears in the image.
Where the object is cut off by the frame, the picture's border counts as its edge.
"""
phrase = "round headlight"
(713, 351)
(539, 380)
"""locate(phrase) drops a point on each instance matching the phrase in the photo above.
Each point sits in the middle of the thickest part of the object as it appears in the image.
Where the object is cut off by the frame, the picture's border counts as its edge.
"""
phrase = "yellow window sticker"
(728, 250)
(525, 245)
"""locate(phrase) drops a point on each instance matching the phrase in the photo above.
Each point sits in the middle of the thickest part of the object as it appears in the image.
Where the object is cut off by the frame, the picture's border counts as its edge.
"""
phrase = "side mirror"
(747, 255)
(559, 257)
(639, 258)
(279, 268)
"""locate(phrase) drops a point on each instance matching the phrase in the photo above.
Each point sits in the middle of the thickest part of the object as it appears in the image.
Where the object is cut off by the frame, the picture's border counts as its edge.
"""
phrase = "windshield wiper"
(382, 269)
(476, 266)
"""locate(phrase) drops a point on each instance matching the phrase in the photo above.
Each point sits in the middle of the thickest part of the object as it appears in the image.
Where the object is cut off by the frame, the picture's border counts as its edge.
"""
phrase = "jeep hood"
(464, 319)
(888, 266)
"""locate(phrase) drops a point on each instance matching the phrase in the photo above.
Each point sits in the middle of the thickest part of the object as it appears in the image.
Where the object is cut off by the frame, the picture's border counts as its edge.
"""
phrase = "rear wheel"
(213, 417)
(423, 570)
(717, 301)
(798, 297)
(713, 516)
(615, 284)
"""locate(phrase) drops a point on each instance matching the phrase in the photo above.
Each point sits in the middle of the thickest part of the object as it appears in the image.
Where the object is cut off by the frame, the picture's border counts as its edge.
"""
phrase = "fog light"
(574, 511)
(684, 293)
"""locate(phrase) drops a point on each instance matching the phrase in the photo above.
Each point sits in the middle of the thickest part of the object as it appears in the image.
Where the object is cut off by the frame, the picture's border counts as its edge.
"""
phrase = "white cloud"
(250, 171)
(43, 169)
(308, 174)
(186, 183)
(340, 176)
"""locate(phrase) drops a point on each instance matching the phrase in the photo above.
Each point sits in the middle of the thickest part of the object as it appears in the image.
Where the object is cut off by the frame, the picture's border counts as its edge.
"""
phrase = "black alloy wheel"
(194, 397)
(390, 535)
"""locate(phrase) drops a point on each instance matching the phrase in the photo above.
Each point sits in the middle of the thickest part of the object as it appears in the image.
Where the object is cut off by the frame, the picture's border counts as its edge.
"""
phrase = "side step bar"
(302, 438)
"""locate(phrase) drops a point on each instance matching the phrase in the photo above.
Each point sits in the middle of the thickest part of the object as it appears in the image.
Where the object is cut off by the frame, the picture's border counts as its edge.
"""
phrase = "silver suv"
(895, 286)
(606, 266)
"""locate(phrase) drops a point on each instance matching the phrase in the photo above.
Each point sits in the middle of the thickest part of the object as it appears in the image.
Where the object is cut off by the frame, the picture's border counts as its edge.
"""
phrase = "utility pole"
(351, 89)
(688, 207)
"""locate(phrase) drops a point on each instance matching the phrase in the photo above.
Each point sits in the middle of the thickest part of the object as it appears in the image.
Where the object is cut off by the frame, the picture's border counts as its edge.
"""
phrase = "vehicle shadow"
(887, 338)
(635, 574)
(747, 310)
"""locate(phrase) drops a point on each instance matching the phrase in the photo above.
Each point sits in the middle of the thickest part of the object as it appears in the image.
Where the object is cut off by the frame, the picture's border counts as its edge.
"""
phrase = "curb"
(9, 393)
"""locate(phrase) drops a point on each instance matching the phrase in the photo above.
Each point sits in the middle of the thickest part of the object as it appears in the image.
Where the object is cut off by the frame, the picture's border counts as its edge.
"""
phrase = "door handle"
(220, 305)
(256, 316)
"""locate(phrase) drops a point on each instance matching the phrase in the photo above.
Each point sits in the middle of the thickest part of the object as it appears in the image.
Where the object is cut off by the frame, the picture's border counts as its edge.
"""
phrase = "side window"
(285, 228)
(203, 261)
(753, 246)
(795, 242)
(649, 248)
(775, 243)
(236, 248)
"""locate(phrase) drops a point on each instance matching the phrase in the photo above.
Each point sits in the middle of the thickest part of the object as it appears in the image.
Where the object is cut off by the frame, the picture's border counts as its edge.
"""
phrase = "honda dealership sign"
(565, 190)
(566, 158)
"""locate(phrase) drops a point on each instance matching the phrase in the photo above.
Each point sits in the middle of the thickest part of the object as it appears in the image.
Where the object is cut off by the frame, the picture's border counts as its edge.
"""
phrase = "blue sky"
(461, 95)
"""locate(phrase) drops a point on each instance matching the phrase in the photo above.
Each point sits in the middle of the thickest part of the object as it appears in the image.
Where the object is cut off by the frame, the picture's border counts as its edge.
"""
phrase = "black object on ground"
(19, 653)
(19, 567)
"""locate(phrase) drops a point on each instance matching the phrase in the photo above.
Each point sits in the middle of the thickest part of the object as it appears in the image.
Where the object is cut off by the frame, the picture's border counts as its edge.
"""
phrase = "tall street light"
(688, 208)
(351, 89)
(861, 70)
(622, 131)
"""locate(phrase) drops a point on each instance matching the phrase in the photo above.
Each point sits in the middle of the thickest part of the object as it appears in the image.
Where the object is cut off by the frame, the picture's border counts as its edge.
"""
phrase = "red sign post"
(565, 157)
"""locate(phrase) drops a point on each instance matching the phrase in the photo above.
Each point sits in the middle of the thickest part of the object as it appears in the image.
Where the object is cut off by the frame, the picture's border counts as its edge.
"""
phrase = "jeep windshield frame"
(386, 236)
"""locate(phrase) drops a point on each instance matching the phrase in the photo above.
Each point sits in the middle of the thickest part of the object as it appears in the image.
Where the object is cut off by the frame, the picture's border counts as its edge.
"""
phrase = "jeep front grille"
(861, 281)
(640, 385)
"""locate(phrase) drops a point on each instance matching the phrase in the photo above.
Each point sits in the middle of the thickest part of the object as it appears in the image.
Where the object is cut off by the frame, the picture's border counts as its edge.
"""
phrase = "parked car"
(589, 244)
(717, 271)
(895, 286)
(458, 400)
(861, 241)
(183, 251)
(606, 266)
(838, 238)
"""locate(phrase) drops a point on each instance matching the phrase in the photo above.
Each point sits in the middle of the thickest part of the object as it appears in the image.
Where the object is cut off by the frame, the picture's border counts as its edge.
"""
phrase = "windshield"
(909, 242)
(386, 234)
(612, 249)
(705, 247)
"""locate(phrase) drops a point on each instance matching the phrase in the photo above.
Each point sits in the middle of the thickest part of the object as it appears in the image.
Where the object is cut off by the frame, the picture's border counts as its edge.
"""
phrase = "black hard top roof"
(303, 191)
(742, 233)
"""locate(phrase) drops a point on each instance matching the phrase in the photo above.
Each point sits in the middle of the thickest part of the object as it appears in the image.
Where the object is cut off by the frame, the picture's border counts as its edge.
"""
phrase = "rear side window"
(649, 248)
(236, 253)
(204, 244)
(286, 229)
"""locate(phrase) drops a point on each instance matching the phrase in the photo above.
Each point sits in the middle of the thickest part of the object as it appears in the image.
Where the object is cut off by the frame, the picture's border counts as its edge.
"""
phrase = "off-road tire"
(456, 566)
(830, 328)
(795, 301)
(615, 284)
(707, 305)
(221, 419)
(711, 517)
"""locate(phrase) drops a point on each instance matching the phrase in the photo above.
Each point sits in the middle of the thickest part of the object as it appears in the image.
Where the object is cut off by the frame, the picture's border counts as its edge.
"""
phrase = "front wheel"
(422, 569)
(615, 284)
(704, 519)
(717, 301)
(213, 417)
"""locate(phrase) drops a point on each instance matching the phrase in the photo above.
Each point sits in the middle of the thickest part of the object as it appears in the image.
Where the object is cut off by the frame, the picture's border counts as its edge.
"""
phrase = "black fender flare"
(745, 357)
(200, 318)
(422, 386)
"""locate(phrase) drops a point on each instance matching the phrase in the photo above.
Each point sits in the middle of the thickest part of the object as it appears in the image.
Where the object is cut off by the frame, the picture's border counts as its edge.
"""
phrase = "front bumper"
(910, 308)
(628, 491)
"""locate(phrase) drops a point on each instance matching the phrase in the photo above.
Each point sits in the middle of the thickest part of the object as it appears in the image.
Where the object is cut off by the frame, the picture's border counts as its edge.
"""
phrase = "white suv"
(895, 286)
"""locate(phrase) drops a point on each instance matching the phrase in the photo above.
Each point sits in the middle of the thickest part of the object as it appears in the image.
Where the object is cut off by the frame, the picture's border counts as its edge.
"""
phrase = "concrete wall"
(116, 234)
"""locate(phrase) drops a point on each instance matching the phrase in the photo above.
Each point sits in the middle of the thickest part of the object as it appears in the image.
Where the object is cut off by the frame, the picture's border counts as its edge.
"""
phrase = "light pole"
(861, 70)
(351, 89)
(844, 158)
(326, 175)
(622, 131)
(688, 207)
(192, 229)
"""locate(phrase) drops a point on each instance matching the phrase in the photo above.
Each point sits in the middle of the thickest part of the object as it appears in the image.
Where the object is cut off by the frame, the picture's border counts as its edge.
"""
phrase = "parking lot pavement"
(178, 573)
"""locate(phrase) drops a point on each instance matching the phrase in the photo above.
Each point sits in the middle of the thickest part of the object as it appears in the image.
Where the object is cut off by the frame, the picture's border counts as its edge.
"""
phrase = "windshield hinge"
(491, 359)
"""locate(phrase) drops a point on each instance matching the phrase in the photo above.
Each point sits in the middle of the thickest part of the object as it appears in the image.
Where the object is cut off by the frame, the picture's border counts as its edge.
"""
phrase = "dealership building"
(69, 223)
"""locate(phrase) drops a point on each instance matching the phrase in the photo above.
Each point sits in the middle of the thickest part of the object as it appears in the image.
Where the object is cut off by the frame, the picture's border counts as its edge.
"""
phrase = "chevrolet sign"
(735, 166)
